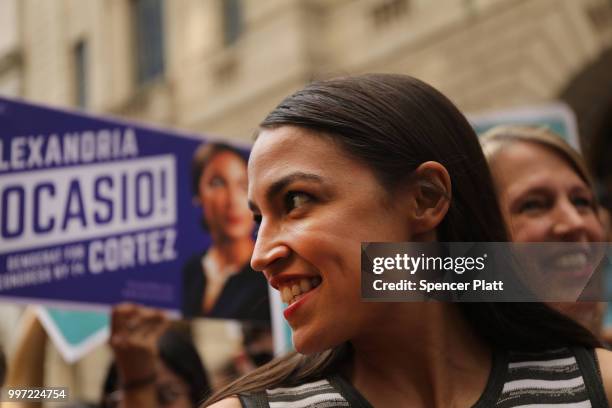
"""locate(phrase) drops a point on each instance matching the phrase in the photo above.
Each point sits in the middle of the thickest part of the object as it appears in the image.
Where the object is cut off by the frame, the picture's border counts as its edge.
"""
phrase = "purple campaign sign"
(93, 210)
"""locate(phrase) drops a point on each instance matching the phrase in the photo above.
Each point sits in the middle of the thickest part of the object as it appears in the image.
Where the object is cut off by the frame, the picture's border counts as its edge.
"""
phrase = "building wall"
(10, 58)
(484, 54)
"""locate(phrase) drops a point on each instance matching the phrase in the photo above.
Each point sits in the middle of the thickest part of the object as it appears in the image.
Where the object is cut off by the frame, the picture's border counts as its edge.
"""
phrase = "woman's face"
(542, 197)
(222, 192)
(544, 200)
(315, 205)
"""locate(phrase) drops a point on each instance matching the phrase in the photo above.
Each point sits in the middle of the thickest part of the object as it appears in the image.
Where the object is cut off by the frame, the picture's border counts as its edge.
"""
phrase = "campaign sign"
(556, 116)
(93, 210)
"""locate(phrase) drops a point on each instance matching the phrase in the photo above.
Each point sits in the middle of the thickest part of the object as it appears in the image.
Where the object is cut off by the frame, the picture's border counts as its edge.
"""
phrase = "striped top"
(564, 378)
(567, 378)
(320, 394)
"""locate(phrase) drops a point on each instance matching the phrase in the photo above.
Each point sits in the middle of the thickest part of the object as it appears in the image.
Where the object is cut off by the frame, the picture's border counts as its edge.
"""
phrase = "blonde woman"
(546, 195)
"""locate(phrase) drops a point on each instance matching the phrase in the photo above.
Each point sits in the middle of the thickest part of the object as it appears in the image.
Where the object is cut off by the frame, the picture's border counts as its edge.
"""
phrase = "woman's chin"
(307, 349)
(309, 344)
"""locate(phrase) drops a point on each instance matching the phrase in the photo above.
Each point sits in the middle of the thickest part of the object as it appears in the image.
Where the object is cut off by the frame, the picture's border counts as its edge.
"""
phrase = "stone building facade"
(484, 54)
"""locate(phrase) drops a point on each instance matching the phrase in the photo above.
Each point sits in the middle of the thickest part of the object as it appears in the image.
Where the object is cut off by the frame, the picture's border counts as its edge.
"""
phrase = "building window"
(389, 11)
(80, 73)
(232, 20)
(149, 39)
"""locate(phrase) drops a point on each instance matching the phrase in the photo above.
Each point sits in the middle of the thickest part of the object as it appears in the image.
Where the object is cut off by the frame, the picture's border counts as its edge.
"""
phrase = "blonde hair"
(495, 139)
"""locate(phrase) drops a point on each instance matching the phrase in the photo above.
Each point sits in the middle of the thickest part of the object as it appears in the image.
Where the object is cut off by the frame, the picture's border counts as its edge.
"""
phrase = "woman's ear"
(431, 196)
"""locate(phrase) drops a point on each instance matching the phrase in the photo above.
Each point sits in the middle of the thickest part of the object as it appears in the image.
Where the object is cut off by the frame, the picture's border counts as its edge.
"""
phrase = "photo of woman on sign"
(220, 282)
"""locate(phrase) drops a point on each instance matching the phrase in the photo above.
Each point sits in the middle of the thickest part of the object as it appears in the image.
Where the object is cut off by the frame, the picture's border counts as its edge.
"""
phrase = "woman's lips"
(573, 264)
(298, 301)
(234, 219)
(292, 290)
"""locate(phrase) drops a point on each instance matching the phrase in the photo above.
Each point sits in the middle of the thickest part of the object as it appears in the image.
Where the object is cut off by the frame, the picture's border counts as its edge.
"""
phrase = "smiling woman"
(388, 158)
(546, 195)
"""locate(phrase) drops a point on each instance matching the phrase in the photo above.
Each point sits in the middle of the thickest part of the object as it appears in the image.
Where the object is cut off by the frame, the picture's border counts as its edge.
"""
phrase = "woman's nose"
(570, 223)
(269, 249)
(237, 197)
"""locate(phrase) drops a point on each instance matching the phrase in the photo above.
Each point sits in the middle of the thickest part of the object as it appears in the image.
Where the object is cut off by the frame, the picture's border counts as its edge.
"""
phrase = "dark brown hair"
(394, 123)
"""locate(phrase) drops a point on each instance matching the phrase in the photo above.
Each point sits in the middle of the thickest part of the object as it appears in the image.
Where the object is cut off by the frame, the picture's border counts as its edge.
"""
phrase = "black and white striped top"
(564, 378)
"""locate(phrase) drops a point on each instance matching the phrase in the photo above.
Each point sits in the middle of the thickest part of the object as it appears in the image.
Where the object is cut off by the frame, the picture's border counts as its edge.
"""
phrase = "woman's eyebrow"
(284, 181)
(280, 184)
(529, 190)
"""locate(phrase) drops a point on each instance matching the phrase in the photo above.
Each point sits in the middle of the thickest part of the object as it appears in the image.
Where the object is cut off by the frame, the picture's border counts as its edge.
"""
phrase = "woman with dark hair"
(155, 365)
(219, 282)
(387, 158)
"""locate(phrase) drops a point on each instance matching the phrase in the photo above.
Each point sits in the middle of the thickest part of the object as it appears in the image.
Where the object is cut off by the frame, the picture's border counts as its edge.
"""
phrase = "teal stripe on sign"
(77, 326)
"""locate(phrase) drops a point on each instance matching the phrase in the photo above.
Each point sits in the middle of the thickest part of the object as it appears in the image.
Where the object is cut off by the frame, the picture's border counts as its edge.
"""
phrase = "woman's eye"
(532, 205)
(295, 200)
(583, 202)
(216, 182)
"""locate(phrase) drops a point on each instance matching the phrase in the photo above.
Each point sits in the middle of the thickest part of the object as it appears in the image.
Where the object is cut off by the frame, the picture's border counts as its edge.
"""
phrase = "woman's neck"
(424, 355)
(232, 252)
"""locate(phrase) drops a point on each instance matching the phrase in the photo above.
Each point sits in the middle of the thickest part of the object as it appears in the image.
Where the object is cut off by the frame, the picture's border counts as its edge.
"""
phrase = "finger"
(151, 327)
(120, 313)
(124, 321)
(139, 320)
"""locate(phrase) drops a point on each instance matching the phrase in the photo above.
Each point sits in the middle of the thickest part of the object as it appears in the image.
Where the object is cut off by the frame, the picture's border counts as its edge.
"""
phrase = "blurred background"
(216, 67)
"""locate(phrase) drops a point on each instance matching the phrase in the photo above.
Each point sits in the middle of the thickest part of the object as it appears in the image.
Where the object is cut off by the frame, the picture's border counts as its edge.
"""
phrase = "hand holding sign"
(135, 331)
(156, 365)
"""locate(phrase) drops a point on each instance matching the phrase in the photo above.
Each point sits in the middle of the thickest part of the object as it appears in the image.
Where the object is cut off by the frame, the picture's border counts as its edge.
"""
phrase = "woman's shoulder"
(229, 402)
(564, 375)
(326, 392)
(604, 358)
